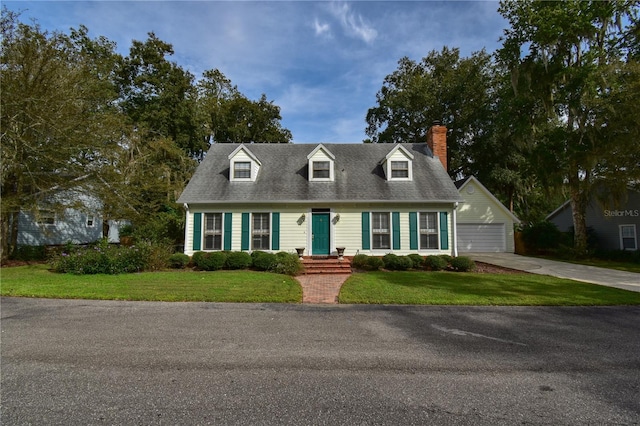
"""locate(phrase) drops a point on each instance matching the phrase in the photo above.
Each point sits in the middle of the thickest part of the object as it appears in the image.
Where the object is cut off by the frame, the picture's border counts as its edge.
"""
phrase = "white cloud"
(354, 24)
(321, 28)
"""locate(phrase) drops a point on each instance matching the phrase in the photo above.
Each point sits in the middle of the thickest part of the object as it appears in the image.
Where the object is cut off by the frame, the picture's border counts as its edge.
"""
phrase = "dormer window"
(242, 170)
(321, 164)
(243, 165)
(397, 164)
(321, 169)
(399, 169)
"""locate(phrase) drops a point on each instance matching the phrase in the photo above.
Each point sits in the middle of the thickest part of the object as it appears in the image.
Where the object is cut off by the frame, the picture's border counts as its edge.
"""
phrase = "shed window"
(46, 217)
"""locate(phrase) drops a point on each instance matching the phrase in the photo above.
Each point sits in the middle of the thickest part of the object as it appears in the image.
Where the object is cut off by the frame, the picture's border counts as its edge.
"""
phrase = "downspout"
(186, 228)
(454, 221)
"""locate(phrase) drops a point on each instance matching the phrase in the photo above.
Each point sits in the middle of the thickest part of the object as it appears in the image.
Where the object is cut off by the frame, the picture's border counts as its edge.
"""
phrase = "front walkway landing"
(321, 288)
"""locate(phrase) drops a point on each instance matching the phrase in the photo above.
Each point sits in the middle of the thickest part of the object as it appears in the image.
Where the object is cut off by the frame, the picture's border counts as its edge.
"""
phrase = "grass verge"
(446, 288)
(601, 263)
(220, 286)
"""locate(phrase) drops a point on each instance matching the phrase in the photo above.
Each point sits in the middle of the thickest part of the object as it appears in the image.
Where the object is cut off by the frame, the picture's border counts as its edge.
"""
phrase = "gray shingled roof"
(283, 176)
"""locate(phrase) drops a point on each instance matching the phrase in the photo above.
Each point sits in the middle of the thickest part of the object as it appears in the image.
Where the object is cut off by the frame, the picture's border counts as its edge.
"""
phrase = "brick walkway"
(321, 288)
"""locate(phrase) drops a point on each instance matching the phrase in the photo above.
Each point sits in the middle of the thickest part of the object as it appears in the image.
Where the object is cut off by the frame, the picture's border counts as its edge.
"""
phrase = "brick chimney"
(437, 141)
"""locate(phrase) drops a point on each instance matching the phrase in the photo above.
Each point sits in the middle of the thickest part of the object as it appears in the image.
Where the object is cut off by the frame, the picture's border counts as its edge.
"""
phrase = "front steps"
(326, 265)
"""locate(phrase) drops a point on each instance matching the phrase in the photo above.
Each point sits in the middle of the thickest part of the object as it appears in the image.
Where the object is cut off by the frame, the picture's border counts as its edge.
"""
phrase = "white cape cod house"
(366, 198)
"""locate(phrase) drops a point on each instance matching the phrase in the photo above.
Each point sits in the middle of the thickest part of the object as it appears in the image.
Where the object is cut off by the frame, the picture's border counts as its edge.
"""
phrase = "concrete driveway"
(590, 274)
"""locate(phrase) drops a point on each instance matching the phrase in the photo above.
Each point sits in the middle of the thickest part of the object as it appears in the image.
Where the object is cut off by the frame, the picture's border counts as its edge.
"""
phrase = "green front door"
(320, 234)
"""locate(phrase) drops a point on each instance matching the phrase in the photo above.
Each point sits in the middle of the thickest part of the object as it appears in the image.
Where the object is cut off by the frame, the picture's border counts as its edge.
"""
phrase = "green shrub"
(417, 260)
(197, 259)
(374, 263)
(359, 261)
(463, 264)
(262, 260)
(238, 260)
(541, 236)
(29, 253)
(446, 258)
(215, 261)
(102, 258)
(287, 264)
(178, 260)
(435, 263)
(391, 261)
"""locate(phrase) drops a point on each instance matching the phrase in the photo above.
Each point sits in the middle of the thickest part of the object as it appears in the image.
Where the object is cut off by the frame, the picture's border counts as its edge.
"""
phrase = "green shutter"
(227, 230)
(444, 231)
(366, 237)
(275, 231)
(413, 231)
(197, 231)
(245, 232)
(395, 223)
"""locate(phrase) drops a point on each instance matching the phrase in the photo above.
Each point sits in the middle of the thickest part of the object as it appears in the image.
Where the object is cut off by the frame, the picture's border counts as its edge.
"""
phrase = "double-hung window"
(321, 170)
(213, 231)
(260, 231)
(91, 220)
(46, 217)
(399, 169)
(381, 231)
(242, 170)
(428, 230)
(628, 240)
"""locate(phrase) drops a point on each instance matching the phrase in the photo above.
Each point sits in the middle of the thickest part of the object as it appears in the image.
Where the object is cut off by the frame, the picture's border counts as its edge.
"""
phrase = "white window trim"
(251, 231)
(233, 170)
(315, 179)
(93, 221)
(203, 231)
(635, 236)
(43, 214)
(408, 157)
(255, 164)
(427, 249)
(409, 168)
(371, 233)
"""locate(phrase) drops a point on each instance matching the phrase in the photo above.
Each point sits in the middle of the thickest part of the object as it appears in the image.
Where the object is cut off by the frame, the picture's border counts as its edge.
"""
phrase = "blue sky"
(322, 62)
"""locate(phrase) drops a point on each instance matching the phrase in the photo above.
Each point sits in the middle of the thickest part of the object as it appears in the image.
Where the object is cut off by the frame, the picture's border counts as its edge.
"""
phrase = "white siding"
(480, 208)
(345, 232)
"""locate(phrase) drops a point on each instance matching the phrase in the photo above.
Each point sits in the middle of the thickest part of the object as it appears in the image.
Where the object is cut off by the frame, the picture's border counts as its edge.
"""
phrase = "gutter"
(454, 219)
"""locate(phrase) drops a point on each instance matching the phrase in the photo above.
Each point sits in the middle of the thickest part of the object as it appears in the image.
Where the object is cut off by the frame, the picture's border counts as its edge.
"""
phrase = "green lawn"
(220, 286)
(447, 288)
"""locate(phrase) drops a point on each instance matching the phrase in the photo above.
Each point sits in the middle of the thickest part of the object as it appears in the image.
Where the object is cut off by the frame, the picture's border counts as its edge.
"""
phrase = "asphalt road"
(88, 362)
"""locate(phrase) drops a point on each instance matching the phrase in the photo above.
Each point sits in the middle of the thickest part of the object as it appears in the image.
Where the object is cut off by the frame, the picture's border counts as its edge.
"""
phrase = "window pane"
(213, 242)
(400, 169)
(242, 170)
(321, 169)
(260, 233)
(381, 241)
(627, 231)
(428, 230)
(213, 222)
(381, 231)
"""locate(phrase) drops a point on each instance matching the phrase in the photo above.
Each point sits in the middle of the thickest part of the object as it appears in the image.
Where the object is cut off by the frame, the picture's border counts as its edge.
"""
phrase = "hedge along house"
(364, 198)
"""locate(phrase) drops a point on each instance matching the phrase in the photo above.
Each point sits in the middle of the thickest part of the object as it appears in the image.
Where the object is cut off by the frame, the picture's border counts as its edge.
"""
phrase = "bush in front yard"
(394, 262)
(417, 260)
(29, 253)
(238, 260)
(463, 264)
(287, 264)
(103, 258)
(446, 258)
(262, 260)
(209, 261)
(435, 263)
(374, 263)
(359, 261)
(178, 260)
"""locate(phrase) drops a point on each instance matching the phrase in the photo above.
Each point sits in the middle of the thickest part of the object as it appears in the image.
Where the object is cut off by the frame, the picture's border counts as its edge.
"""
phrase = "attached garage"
(481, 237)
(484, 224)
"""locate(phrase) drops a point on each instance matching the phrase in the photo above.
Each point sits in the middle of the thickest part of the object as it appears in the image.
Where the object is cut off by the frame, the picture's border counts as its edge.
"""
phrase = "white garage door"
(481, 237)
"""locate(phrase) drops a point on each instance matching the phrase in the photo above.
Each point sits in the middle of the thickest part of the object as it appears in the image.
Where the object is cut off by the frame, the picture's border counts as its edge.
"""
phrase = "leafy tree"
(443, 87)
(570, 58)
(231, 117)
(57, 118)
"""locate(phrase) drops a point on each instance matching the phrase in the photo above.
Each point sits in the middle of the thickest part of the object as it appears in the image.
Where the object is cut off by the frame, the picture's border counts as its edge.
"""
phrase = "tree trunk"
(579, 209)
